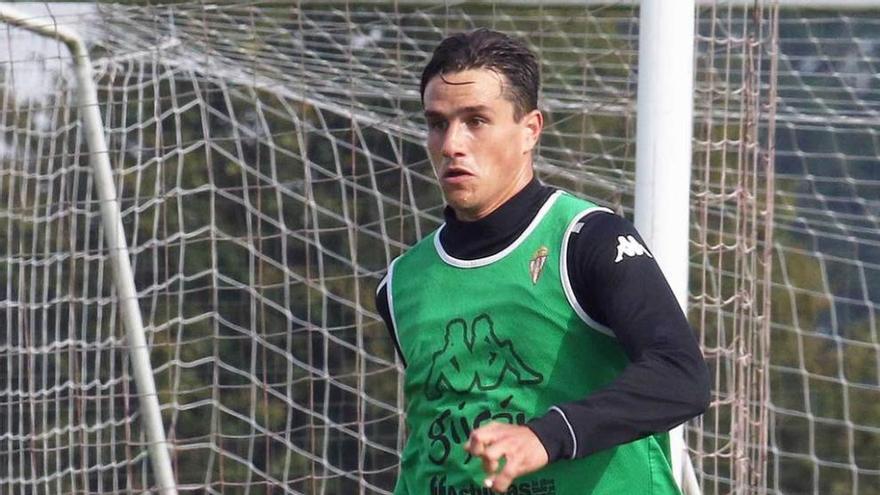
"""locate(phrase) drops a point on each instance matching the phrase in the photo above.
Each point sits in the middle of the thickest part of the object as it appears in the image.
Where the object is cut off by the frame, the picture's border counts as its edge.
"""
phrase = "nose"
(453, 141)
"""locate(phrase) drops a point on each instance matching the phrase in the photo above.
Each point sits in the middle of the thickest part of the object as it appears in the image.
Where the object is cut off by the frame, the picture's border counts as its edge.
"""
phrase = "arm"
(666, 382)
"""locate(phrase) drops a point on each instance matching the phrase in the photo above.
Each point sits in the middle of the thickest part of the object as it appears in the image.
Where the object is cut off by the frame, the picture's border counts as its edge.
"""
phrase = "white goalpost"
(117, 246)
(263, 162)
(663, 160)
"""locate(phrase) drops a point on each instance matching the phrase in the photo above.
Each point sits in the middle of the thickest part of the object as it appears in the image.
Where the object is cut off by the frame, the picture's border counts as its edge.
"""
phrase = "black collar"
(494, 232)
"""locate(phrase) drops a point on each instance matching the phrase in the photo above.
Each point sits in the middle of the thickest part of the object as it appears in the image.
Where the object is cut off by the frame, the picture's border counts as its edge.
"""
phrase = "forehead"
(473, 87)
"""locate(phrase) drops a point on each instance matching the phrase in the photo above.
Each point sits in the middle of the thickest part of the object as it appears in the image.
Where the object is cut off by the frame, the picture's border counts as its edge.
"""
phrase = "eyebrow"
(460, 111)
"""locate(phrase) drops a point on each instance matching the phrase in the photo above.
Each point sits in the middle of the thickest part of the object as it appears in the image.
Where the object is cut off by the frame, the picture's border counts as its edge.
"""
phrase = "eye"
(477, 122)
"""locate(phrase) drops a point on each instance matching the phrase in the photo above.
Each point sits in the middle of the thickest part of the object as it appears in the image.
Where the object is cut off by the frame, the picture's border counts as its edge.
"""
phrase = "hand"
(518, 445)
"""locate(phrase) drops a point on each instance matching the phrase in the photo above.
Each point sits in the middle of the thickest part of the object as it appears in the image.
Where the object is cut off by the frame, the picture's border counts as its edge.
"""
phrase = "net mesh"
(732, 208)
(825, 358)
(269, 160)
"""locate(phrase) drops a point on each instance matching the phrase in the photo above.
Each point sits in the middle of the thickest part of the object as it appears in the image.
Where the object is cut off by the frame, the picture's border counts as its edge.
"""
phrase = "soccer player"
(544, 351)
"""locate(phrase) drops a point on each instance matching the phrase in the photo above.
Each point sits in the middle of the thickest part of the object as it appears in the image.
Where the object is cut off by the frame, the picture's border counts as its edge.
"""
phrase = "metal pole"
(116, 242)
(663, 156)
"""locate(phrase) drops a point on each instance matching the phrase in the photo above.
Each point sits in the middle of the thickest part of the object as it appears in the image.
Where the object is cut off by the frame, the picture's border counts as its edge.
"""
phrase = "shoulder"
(596, 234)
(607, 226)
(413, 254)
(572, 204)
(418, 251)
(610, 244)
(577, 213)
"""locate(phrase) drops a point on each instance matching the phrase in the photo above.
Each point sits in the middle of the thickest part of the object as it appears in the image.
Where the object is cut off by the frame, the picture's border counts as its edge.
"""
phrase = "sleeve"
(617, 282)
(384, 309)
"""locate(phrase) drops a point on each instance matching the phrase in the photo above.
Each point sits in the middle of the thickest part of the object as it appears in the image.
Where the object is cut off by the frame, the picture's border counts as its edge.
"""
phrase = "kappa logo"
(629, 246)
(474, 357)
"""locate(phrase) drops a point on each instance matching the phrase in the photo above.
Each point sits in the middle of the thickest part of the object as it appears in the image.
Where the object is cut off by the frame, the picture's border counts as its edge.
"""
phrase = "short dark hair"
(486, 49)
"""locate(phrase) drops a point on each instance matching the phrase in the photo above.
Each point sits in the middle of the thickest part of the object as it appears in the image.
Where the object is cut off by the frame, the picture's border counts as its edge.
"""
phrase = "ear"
(533, 124)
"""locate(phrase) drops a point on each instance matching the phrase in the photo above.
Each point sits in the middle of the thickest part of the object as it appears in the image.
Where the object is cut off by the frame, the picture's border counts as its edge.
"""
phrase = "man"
(544, 350)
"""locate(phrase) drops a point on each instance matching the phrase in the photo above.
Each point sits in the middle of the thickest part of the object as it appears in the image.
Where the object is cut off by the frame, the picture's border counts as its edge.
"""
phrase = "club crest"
(536, 264)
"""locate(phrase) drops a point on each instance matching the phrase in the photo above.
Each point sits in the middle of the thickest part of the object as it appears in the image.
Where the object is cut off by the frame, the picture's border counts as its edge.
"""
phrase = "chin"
(464, 211)
(458, 198)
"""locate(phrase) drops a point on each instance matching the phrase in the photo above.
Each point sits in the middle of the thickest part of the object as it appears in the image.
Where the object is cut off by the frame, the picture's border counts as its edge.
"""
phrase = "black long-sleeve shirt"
(666, 382)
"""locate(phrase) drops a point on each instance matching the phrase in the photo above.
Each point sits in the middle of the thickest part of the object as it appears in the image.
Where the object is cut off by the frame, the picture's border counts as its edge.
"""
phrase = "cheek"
(503, 149)
(433, 145)
(432, 142)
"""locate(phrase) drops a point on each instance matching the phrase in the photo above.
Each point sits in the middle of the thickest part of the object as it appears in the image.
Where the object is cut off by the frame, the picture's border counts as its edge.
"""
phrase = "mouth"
(456, 174)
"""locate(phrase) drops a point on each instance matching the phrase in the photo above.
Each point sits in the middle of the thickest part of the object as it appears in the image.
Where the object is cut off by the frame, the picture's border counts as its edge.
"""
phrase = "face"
(482, 156)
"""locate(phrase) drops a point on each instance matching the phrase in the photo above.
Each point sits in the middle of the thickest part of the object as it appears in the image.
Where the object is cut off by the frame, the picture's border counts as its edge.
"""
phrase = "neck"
(524, 178)
(493, 233)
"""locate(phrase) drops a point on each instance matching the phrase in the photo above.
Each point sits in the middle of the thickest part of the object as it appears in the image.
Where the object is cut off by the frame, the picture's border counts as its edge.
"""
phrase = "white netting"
(270, 164)
(825, 359)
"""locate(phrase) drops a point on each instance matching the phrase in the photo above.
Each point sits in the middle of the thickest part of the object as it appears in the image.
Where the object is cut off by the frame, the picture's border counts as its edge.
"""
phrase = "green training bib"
(503, 339)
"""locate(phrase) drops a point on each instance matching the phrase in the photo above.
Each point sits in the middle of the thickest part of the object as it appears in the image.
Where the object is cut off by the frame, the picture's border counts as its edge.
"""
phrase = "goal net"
(825, 352)
(268, 158)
